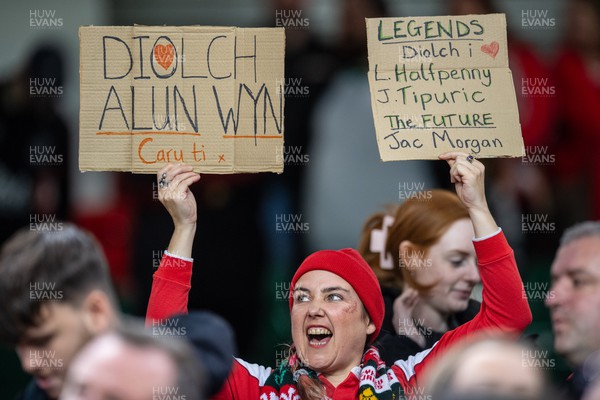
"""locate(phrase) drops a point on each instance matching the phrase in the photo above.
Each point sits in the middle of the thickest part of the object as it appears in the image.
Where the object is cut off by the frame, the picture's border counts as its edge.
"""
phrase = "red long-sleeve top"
(504, 307)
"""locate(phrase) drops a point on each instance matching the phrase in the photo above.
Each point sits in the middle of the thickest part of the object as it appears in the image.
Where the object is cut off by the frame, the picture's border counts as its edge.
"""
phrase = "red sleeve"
(503, 306)
(170, 287)
(244, 382)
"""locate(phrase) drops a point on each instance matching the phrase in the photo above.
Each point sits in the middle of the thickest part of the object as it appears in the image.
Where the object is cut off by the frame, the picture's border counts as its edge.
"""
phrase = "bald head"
(499, 367)
(111, 368)
(489, 366)
(131, 363)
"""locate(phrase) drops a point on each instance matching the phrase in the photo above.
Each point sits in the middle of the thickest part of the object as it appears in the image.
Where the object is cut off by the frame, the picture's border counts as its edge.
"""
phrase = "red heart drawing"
(491, 49)
(164, 55)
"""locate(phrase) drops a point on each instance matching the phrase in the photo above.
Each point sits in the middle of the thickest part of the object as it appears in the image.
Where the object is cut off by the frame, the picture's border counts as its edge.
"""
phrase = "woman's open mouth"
(318, 336)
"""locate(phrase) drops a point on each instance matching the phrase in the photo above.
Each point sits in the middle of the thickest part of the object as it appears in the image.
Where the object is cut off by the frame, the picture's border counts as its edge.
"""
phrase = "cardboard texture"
(442, 84)
(210, 97)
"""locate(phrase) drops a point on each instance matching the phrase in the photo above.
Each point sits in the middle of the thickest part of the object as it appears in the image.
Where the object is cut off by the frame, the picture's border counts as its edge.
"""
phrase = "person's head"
(44, 64)
(583, 31)
(211, 336)
(56, 294)
(430, 248)
(574, 299)
(336, 310)
(129, 363)
(488, 365)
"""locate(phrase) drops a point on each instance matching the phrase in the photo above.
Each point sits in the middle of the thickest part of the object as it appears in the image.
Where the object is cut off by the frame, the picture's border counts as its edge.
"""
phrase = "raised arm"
(503, 305)
(174, 193)
(171, 281)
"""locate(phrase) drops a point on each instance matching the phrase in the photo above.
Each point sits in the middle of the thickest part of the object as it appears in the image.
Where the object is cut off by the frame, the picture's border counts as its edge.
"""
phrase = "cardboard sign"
(442, 84)
(210, 97)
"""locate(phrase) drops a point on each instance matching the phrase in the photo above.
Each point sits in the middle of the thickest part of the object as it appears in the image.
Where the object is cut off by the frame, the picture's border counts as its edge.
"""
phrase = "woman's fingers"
(166, 174)
(409, 298)
(461, 170)
(413, 298)
(467, 173)
(164, 170)
(193, 178)
(174, 181)
(180, 168)
(179, 180)
(453, 158)
(462, 166)
(450, 155)
(174, 193)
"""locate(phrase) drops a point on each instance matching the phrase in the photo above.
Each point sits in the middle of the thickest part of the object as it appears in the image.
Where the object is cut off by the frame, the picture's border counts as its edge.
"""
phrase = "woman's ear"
(415, 264)
(409, 255)
(371, 327)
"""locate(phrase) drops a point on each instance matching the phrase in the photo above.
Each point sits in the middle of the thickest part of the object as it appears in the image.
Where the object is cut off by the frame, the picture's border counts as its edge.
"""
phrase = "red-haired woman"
(423, 256)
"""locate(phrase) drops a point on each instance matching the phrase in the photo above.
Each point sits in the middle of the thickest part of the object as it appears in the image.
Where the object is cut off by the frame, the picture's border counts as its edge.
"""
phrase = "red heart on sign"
(164, 55)
(491, 49)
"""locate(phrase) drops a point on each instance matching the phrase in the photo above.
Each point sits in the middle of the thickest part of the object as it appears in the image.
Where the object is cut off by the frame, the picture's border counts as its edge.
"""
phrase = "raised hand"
(174, 193)
(467, 174)
(468, 178)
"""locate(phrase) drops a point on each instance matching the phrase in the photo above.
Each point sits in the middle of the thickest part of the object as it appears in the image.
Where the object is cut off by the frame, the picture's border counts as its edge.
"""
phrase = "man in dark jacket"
(574, 303)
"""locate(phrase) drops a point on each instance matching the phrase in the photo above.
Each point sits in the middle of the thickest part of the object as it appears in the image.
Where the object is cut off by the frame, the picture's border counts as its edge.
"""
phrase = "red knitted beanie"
(350, 266)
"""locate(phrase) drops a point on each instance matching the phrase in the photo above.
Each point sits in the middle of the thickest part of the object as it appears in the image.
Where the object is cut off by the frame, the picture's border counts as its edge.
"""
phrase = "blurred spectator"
(492, 367)
(535, 111)
(34, 145)
(132, 364)
(574, 304)
(346, 178)
(519, 188)
(578, 88)
(309, 66)
(56, 294)
(212, 339)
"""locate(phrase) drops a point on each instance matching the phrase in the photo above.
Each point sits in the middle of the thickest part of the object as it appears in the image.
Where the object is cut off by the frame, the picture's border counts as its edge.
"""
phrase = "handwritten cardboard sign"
(211, 97)
(442, 84)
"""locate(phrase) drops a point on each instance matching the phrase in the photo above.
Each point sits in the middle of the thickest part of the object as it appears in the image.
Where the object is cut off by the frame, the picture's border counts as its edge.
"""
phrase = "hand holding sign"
(467, 174)
(174, 193)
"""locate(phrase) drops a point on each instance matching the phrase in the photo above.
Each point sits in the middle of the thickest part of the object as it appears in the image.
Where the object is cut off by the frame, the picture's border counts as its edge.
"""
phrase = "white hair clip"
(378, 239)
